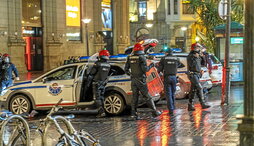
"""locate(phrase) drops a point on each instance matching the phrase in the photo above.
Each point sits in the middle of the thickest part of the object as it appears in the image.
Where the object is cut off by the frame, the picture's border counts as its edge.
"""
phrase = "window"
(142, 9)
(186, 7)
(31, 13)
(116, 71)
(73, 20)
(175, 7)
(66, 73)
(169, 9)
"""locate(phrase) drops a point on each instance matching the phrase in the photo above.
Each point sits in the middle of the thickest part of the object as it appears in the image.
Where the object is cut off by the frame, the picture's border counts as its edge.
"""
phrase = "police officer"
(168, 65)
(6, 74)
(99, 73)
(194, 73)
(136, 67)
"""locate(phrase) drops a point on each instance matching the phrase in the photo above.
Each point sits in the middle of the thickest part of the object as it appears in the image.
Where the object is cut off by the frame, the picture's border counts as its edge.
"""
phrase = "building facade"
(169, 21)
(41, 34)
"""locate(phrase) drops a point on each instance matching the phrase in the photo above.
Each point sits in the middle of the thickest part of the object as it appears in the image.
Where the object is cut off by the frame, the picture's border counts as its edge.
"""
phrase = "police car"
(66, 82)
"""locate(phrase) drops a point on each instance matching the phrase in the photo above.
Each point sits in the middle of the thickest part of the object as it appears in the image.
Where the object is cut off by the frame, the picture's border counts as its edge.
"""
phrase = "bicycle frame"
(72, 137)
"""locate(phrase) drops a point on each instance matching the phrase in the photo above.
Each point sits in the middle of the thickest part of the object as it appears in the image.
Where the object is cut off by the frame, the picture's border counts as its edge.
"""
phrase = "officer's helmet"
(139, 48)
(104, 54)
(196, 47)
(6, 58)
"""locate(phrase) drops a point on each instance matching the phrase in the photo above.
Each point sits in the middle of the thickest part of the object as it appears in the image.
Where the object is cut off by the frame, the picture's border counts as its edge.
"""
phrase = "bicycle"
(70, 137)
(14, 130)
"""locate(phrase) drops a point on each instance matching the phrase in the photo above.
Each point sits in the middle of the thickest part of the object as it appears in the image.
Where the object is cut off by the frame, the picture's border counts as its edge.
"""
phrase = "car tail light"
(215, 67)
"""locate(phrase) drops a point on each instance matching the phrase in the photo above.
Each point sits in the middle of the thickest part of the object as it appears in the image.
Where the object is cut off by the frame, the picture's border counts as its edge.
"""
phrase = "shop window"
(73, 20)
(31, 13)
(187, 7)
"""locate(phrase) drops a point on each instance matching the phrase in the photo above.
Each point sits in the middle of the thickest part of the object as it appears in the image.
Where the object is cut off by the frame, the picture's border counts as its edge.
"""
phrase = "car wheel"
(20, 104)
(114, 103)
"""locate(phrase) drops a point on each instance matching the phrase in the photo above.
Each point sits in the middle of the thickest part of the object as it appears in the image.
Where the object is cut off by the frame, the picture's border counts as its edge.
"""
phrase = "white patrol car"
(65, 82)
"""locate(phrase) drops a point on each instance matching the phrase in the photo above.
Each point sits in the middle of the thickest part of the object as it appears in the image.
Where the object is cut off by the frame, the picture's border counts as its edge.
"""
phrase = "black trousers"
(138, 85)
(98, 93)
(196, 88)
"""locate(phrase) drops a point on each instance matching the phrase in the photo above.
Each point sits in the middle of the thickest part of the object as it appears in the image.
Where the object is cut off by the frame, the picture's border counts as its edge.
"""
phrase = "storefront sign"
(73, 12)
(236, 40)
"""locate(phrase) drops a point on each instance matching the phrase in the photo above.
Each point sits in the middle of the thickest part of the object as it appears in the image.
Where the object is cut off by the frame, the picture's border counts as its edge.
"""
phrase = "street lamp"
(86, 21)
(184, 29)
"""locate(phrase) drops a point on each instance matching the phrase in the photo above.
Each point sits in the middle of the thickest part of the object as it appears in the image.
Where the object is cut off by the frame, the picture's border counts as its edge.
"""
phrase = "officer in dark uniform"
(168, 65)
(99, 73)
(194, 73)
(136, 67)
(7, 69)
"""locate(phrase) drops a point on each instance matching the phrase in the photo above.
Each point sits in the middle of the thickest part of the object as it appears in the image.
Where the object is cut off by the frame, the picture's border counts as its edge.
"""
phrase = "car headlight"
(4, 92)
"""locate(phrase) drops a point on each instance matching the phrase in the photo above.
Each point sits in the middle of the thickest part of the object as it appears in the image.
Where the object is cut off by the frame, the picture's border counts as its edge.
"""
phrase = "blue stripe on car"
(125, 80)
(31, 87)
(21, 83)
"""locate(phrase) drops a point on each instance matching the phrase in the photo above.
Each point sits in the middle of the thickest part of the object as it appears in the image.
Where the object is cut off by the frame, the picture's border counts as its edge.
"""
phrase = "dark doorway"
(33, 49)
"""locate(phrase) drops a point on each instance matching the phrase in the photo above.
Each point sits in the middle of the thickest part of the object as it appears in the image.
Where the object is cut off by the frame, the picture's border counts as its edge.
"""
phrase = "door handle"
(68, 86)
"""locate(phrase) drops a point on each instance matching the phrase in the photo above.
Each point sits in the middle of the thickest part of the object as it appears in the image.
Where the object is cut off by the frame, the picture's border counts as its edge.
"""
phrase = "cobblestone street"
(216, 126)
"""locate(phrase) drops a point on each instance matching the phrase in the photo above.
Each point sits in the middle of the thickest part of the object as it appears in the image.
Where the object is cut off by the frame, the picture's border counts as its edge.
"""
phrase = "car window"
(80, 70)
(66, 73)
(116, 70)
(184, 61)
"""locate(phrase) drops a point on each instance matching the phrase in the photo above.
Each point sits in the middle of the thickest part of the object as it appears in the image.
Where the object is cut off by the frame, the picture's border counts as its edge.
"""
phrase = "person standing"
(136, 67)
(195, 73)
(6, 73)
(168, 65)
(99, 74)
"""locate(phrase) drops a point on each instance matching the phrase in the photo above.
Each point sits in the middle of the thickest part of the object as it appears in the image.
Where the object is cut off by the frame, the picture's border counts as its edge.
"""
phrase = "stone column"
(97, 38)
(52, 42)
(121, 25)
(16, 45)
(246, 128)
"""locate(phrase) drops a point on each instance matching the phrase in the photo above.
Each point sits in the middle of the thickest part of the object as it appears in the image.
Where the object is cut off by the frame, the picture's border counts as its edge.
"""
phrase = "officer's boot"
(101, 111)
(202, 99)
(191, 106)
(151, 104)
(191, 98)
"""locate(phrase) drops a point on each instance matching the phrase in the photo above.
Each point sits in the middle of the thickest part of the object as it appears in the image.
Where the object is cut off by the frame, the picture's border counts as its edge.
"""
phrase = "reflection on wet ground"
(214, 126)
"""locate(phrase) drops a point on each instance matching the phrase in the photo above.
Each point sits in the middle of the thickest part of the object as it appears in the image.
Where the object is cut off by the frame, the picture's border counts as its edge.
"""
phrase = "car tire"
(20, 104)
(114, 103)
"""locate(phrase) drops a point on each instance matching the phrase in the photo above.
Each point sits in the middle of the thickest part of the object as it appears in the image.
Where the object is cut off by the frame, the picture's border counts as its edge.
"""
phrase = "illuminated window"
(175, 7)
(169, 9)
(31, 13)
(142, 9)
(187, 8)
(73, 20)
(106, 15)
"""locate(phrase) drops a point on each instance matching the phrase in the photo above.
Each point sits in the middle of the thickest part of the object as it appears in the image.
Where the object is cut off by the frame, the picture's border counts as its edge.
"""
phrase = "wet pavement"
(216, 126)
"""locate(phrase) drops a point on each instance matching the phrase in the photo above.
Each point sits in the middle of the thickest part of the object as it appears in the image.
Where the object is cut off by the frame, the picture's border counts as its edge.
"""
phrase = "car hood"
(20, 84)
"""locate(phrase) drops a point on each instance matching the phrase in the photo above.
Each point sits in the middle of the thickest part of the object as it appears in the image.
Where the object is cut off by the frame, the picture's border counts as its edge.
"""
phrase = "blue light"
(177, 50)
(84, 57)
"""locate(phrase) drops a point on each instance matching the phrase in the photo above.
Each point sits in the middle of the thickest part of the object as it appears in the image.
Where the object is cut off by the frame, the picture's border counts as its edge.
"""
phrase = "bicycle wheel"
(59, 124)
(14, 131)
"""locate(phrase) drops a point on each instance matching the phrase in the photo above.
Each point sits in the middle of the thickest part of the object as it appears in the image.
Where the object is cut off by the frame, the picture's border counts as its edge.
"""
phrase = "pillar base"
(246, 129)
